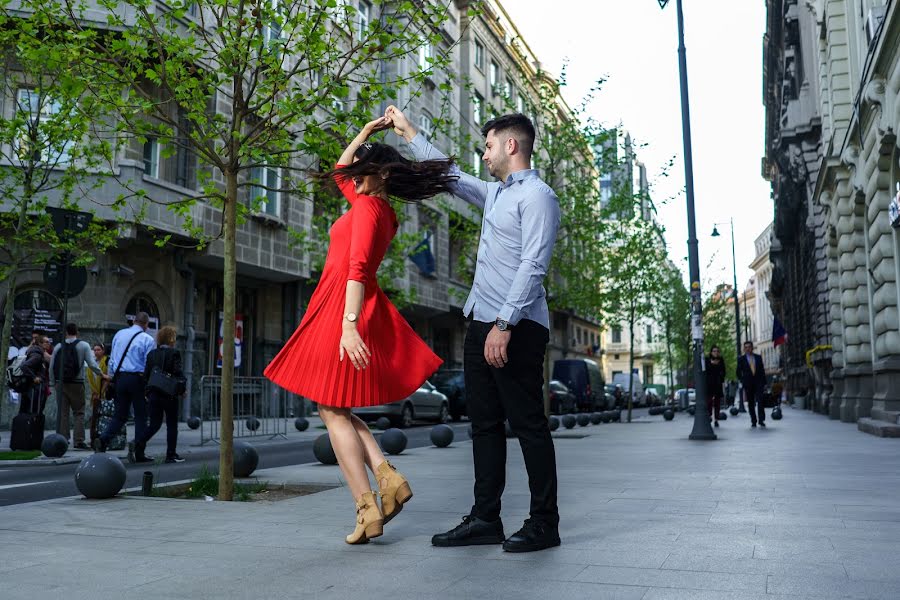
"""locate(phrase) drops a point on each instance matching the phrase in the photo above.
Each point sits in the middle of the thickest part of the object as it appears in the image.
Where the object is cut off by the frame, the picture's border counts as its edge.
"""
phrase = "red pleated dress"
(310, 365)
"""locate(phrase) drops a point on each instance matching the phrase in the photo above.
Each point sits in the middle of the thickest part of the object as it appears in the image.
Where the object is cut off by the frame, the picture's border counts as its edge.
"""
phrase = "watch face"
(351, 317)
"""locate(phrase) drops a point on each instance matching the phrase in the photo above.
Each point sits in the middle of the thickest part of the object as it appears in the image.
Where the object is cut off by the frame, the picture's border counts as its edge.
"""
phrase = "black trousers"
(129, 394)
(161, 404)
(512, 393)
(755, 402)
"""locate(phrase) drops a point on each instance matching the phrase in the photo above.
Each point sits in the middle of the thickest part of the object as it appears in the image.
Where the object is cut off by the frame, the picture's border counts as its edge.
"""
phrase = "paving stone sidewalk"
(807, 508)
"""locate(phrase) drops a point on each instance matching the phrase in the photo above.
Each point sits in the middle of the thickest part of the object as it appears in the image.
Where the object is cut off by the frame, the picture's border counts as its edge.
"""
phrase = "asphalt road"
(20, 484)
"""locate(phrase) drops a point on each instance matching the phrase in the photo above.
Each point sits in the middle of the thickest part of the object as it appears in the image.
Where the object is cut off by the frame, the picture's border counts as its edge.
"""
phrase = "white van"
(638, 397)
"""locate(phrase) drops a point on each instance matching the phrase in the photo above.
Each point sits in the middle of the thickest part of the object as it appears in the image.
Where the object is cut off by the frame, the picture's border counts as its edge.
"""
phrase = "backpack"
(16, 378)
(71, 368)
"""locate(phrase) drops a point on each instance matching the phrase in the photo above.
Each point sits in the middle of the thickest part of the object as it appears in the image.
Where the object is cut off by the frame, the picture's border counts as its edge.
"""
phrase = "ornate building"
(832, 81)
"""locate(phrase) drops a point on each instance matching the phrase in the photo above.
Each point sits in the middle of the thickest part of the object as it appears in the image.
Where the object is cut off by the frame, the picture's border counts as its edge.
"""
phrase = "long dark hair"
(404, 179)
(714, 347)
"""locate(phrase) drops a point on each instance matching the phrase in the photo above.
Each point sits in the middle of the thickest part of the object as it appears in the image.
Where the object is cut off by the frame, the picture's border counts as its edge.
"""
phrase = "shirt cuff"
(415, 145)
(510, 314)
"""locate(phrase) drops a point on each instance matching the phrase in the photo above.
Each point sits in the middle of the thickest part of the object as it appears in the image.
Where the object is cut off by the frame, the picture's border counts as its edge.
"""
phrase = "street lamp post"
(702, 426)
(737, 309)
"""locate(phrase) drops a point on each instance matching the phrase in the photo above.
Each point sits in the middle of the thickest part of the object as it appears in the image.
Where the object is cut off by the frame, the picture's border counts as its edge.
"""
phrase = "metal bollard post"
(147, 484)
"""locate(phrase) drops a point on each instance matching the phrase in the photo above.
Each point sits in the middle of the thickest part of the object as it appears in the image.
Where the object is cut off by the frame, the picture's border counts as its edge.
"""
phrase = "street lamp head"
(715, 232)
(662, 3)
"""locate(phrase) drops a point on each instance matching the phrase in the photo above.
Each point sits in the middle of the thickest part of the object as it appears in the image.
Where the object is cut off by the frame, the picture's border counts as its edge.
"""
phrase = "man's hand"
(402, 126)
(495, 347)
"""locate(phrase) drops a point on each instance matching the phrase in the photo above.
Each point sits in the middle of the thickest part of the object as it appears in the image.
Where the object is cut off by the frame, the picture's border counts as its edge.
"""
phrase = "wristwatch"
(502, 325)
(350, 317)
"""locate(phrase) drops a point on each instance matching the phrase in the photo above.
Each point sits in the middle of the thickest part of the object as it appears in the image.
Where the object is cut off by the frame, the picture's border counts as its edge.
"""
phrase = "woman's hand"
(353, 346)
(379, 124)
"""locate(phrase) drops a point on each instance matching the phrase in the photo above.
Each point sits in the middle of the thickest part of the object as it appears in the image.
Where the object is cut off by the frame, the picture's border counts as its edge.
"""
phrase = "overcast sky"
(634, 45)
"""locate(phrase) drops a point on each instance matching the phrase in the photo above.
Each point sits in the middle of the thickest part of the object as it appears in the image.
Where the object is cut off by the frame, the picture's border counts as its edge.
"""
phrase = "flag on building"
(423, 257)
(779, 334)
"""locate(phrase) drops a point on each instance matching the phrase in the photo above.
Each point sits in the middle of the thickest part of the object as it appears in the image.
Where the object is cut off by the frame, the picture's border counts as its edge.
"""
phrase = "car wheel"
(406, 417)
(444, 415)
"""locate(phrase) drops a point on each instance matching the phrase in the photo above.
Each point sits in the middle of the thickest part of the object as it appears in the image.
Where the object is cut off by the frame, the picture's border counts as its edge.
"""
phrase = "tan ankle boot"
(369, 521)
(394, 490)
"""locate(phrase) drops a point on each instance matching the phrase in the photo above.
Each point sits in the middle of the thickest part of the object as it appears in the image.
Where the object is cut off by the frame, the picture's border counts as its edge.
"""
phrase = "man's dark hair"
(517, 125)
(71, 329)
(748, 343)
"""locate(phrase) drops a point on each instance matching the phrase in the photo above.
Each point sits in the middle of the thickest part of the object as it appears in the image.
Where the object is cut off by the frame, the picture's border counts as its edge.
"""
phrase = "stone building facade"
(832, 89)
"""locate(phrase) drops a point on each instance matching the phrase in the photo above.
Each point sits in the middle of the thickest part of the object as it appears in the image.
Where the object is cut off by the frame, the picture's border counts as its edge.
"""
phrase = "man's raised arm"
(469, 188)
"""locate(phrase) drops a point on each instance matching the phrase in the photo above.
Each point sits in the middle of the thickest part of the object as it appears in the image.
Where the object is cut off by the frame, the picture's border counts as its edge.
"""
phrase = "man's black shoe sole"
(478, 541)
(530, 547)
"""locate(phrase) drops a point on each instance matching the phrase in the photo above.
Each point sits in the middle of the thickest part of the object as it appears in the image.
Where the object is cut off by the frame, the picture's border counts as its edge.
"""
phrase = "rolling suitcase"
(107, 412)
(27, 430)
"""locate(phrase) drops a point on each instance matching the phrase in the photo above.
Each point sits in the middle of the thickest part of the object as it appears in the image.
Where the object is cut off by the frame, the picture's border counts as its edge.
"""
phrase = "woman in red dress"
(353, 348)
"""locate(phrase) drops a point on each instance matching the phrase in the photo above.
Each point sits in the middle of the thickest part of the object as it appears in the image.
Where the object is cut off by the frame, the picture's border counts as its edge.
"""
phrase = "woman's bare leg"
(348, 448)
(374, 455)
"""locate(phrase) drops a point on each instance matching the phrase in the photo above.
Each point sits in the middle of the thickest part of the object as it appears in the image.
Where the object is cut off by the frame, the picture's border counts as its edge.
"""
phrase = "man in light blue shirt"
(130, 347)
(507, 338)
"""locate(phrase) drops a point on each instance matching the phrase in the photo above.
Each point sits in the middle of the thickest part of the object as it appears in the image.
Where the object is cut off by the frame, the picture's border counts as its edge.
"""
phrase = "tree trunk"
(226, 448)
(630, 361)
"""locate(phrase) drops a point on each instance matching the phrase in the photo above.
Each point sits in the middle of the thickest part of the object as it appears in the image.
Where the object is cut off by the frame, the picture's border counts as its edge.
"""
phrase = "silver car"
(426, 403)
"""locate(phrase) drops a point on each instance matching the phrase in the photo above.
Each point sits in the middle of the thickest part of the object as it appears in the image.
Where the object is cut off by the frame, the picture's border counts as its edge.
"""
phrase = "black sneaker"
(532, 537)
(174, 459)
(471, 532)
(762, 424)
(752, 424)
(142, 458)
(81, 446)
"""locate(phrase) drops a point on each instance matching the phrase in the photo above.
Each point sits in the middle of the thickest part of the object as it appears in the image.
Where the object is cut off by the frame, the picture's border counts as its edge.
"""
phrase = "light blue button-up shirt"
(137, 352)
(518, 231)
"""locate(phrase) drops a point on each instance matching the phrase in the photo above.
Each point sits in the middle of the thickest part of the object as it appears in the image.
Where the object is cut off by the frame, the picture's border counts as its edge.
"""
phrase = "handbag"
(163, 383)
(111, 386)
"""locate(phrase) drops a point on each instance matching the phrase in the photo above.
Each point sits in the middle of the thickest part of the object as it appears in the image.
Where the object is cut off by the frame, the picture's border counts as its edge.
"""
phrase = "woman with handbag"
(715, 383)
(165, 384)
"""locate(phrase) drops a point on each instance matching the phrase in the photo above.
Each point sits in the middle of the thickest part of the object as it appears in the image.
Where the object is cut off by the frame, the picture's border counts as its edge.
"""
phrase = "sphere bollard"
(54, 445)
(583, 420)
(100, 476)
(252, 423)
(654, 410)
(734, 411)
(617, 416)
(383, 424)
(554, 423)
(442, 435)
(668, 414)
(568, 421)
(691, 409)
(776, 413)
(393, 441)
(596, 418)
(193, 422)
(606, 416)
(323, 451)
(246, 459)
(301, 423)
(723, 416)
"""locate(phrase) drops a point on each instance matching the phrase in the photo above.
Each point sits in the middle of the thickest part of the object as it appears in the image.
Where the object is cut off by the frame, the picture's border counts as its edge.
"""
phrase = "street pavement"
(806, 508)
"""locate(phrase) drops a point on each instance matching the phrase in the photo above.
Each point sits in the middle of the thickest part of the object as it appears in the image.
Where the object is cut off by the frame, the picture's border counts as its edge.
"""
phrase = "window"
(271, 32)
(648, 374)
(476, 161)
(142, 303)
(508, 88)
(364, 16)
(616, 335)
(494, 77)
(38, 107)
(151, 158)
(265, 184)
(425, 55)
(649, 334)
(426, 125)
(520, 104)
(479, 55)
(579, 335)
(477, 109)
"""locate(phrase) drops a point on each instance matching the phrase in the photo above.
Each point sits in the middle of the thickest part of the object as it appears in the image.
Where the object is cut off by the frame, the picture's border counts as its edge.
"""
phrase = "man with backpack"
(68, 362)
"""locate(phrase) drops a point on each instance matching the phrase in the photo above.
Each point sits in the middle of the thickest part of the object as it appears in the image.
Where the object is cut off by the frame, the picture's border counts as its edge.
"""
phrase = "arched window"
(36, 299)
(142, 303)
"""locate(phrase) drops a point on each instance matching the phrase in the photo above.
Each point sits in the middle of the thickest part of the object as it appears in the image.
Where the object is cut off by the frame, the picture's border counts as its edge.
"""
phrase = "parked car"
(618, 397)
(685, 397)
(452, 384)
(426, 403)
(583, 377)
(562, 400)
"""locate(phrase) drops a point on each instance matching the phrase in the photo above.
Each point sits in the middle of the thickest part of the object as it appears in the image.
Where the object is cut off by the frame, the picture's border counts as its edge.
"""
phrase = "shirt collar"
(520, 176)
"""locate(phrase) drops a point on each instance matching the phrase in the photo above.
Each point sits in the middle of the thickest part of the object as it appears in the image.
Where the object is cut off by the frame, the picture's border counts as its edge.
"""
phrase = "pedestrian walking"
(752, 375)
(508, 333)
(715, 383)
(130, 347)
(353, 348)
(165, 385)
(98, 387)
(67, 367)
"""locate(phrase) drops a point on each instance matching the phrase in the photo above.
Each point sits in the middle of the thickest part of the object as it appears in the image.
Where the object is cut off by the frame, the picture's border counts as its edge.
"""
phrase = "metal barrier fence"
(252, 397)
